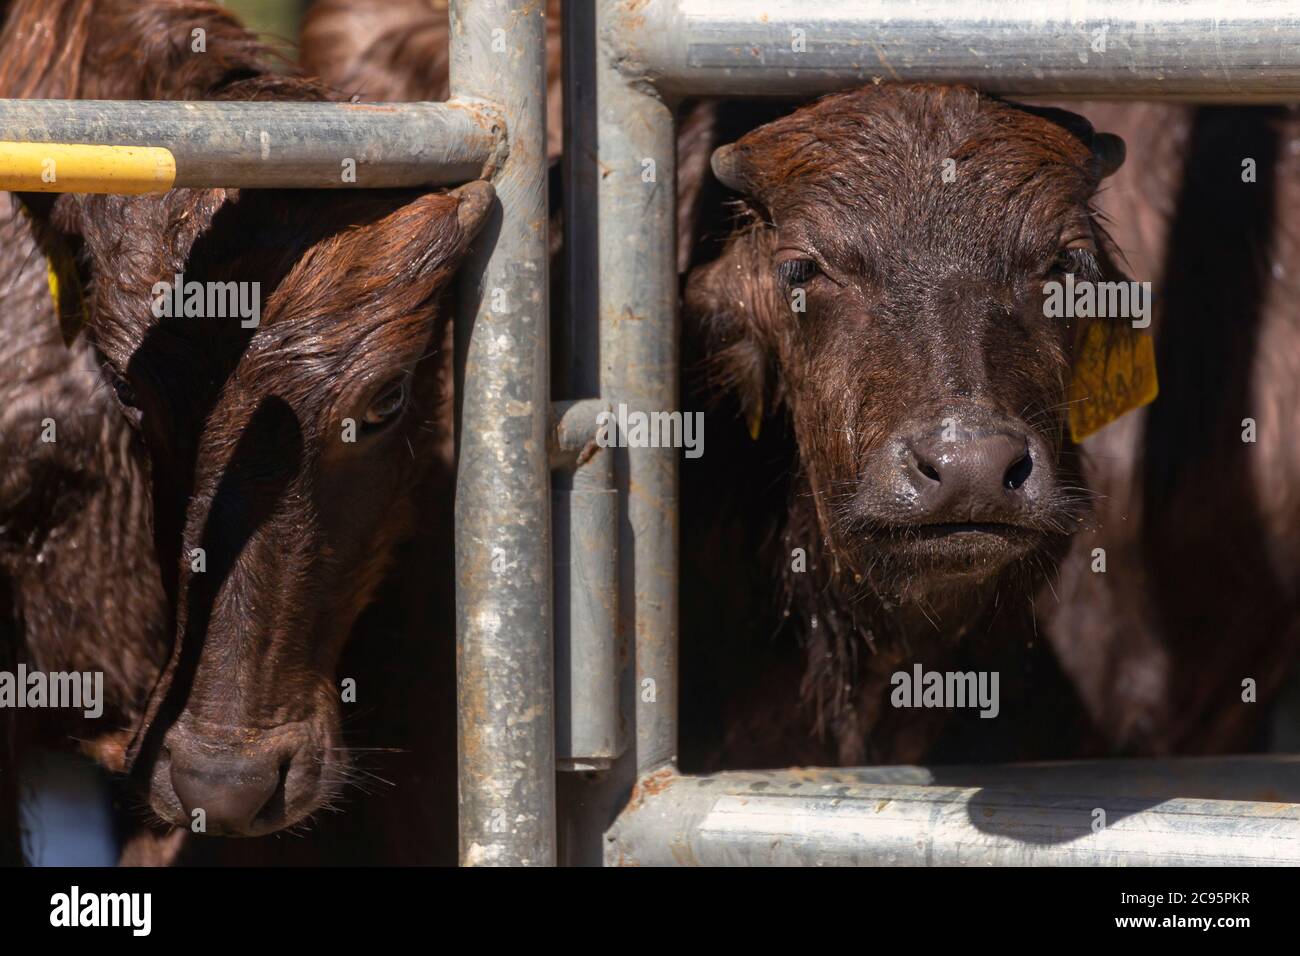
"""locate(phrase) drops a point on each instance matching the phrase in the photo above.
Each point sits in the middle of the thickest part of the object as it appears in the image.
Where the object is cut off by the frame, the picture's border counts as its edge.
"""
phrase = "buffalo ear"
(1108, 150)
(732, 166)
(729, 301)
(381, 255)
(728, 167)
(474, 202)
(131, 243)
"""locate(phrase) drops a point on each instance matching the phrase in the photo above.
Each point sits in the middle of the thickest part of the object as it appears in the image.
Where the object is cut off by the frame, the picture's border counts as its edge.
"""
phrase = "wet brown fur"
(177, 434)
(1199, 527)
(940, 302)
(352, 44)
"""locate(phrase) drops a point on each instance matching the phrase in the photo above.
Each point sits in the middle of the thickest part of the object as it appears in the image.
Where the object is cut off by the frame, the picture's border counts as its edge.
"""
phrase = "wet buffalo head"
(285, 449)
(886, 290)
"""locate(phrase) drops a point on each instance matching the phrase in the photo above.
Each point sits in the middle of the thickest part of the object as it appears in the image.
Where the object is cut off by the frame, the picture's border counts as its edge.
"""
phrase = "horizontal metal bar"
(1265, 779)
(1106, 48)
(841, 818)
(248, 144)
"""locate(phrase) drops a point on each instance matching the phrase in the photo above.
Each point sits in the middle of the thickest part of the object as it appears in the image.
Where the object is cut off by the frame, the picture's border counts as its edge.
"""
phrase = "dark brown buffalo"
(929, 313)
(875, 308)
(1182, 642)
(180, 434)
(400, 52)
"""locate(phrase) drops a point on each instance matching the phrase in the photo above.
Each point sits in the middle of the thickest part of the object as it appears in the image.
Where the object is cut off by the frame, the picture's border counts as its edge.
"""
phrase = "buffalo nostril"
(274, 807)
(232, 794)
(970, 471)
(1018, 473)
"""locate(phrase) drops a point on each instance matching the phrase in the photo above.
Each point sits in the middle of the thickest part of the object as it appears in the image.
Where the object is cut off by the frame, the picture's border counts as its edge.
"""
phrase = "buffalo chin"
(969, 548)
(925, 561)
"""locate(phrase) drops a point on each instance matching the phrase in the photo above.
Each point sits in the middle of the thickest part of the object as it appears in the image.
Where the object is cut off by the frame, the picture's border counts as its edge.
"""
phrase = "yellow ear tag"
(1115, 373)
(52, 275)
(69, 303)
(756, 421)
(65, 293)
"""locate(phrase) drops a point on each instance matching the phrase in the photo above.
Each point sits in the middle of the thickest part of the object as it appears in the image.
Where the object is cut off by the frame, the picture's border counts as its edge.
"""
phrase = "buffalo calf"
(225, 495)
(883, 297)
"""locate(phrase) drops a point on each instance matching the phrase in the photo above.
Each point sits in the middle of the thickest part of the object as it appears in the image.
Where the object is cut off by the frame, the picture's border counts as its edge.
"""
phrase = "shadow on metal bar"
(1197, 812)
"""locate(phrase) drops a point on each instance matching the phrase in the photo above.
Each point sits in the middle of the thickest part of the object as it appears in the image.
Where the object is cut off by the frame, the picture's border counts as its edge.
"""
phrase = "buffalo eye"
(122, 389)
(1076, 256)
(793, 272)
(387, 405)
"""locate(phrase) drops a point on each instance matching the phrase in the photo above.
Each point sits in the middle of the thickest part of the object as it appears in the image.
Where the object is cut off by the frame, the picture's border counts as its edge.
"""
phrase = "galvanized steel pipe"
(588, 725)
(636, 198)
(243, 144)
(1253, 778)
(503, 499)
(826, 818)
(1103, 48)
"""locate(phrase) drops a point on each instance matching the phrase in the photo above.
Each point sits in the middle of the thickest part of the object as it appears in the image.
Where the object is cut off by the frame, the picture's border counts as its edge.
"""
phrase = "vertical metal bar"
(638, 339)
(588, 725)
(581, 348)
(624, 167)
(589, 658)
(503, 500)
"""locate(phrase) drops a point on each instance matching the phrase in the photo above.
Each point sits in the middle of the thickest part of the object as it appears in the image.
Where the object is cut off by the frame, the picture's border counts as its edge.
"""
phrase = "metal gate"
(567, 639)
(637, 59)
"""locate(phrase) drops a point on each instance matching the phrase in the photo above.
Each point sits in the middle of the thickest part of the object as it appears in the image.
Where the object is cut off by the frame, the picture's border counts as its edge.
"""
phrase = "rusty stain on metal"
(651, 785)
(488, 118)
(683, 854)
(588, 452)
(368, 107)
(633, 19)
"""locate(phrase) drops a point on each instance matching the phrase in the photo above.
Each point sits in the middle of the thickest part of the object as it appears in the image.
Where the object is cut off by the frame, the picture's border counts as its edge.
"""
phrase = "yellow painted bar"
(77, 168)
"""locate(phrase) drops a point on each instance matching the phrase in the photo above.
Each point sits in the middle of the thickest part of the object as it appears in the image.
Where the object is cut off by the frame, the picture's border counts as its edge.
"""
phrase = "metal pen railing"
(649, 55)
(628, 63)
